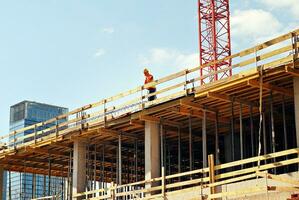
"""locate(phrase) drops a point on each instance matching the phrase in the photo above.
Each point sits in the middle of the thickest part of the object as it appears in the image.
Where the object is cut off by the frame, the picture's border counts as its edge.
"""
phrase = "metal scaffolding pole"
(264, 135)
(272, 128)
(95, 169)
(162, 144)
(241, 133)
(136, 159)
(204, 140)
(190, 144)
(49, 176)
(272, 123)
(103, 166)
(233, 130)
(119, 160)
(251, 132)
(9, 185)
(284, 129)
(284, 124)
(33, 185)
(179, 150)
(217, 150)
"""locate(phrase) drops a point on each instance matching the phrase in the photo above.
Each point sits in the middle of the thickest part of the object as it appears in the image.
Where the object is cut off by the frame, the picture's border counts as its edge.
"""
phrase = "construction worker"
(148, 79)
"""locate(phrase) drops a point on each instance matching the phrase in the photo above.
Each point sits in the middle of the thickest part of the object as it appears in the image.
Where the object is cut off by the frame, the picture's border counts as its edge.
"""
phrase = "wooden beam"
(157, 119)
(270, 87)
(46, 151)
(195, 113)
(227, 98)
(36, 160)
(278, 178)
(292, 71)
(196, 106)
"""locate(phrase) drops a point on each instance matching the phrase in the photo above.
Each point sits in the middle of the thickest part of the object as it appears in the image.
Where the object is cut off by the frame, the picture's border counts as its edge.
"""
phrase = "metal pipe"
(9, 185)
(204, 140)
(217, 139)
(284, 124)
(241, 133)
(179, 150)
(49, 177)
(232, 130)
(190, 143)
(136, 159)
(272, 123)
(119, 160)
(251, 132)
(162, 144)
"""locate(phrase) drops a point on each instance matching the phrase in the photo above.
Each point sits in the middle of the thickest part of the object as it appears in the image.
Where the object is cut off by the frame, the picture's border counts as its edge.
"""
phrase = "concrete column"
(296, 103)
(152, 151)
(79, 168)
(2, 191)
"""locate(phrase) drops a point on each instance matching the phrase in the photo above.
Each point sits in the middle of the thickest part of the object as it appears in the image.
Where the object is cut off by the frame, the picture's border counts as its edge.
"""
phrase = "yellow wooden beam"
(270, 87)
(227, 98)
(158, 120)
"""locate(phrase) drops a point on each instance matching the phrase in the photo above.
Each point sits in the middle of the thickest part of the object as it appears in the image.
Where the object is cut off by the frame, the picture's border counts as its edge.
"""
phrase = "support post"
(79, 168)
(272, 124)
(241, 133)
(204, 139)
(296, 104)
(1, 182)
(251, 132)
(233, 131)
(152, 151)
(217, 140)
(179, 151)
(119, 160)
(190, 144)
(211, 173)
(49, 176)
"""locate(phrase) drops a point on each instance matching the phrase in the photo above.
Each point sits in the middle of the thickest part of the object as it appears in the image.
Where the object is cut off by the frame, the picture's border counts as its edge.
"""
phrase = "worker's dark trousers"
(152, 90)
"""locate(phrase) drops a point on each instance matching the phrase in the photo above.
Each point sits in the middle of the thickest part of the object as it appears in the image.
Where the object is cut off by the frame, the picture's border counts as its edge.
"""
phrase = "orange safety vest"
(149, 78)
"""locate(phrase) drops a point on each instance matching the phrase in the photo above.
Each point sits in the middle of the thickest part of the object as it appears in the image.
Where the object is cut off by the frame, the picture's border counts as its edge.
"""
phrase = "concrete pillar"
(152, 151)
(296, 103)
(2, 191)
(79, 168)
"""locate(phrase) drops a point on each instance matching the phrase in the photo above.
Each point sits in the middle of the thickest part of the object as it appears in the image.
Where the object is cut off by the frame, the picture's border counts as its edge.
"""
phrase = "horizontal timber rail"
(204, 180)
(273, 53)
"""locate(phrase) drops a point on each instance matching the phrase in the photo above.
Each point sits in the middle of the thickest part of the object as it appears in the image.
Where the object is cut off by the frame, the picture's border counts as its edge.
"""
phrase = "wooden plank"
(196, 106)
(283, 188)
(227, 98)
(239, 192)
(158, 120)
(292, 71)
(270, 87)
(279, 178)
(253, 169)
(257, 158)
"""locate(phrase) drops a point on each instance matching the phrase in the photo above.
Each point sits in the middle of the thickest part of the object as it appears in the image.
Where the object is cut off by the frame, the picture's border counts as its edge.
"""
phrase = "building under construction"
(228, 138)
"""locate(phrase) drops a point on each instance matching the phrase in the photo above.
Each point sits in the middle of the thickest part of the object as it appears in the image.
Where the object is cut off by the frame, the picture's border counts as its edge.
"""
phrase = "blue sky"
(71, 53)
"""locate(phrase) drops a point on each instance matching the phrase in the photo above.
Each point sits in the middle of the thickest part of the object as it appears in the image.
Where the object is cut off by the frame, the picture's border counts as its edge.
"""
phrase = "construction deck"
(195, 120)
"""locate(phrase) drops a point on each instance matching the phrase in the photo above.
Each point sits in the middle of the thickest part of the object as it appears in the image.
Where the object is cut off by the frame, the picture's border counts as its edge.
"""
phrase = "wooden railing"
(205, 180)
(275, 52)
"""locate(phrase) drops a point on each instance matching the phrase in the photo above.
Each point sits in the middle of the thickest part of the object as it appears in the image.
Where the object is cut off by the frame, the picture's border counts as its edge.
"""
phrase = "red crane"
(214, 38)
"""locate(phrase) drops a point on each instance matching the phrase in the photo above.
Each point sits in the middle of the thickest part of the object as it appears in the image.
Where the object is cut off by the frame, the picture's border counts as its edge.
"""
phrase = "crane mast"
(214, 39)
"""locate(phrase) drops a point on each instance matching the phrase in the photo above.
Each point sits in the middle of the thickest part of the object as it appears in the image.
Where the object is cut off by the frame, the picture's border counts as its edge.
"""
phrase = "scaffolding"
(190, 121)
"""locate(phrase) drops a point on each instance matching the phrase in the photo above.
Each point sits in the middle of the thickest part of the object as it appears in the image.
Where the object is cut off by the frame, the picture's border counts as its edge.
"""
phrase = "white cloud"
(108, 30)
(254, 24)
(99, 52)
(169, 58)
(288, 5)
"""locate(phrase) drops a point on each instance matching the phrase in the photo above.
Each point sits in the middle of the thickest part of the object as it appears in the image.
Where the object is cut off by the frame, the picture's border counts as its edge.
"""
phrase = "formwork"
(235, 129)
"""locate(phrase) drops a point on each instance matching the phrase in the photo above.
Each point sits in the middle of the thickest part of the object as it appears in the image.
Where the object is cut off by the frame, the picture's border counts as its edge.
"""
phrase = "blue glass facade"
(24, 114)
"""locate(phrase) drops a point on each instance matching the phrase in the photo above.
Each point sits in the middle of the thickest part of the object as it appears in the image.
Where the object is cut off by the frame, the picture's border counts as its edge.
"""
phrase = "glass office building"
(23, 186)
